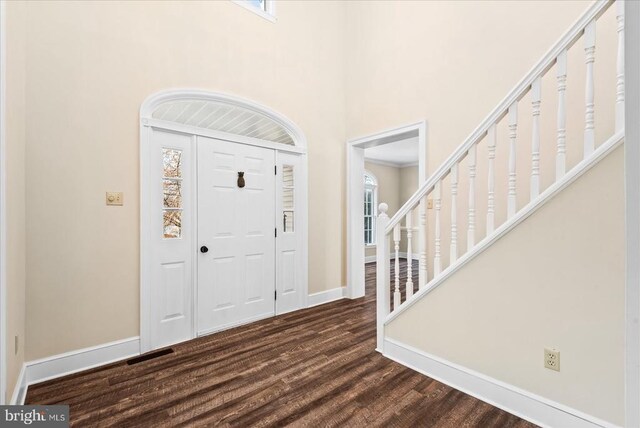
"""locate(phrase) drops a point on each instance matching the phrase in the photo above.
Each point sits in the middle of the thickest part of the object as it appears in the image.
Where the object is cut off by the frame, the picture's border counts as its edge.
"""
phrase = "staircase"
(439, 258)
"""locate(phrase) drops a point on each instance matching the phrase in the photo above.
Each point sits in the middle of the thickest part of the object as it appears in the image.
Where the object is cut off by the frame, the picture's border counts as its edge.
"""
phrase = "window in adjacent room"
(370, 202)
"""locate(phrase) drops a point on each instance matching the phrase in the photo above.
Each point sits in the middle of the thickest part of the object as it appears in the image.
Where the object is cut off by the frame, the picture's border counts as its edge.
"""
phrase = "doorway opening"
(223, 216)
(384, 167)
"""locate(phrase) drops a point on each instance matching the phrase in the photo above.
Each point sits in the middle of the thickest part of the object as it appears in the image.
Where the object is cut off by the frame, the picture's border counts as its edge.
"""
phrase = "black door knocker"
(240, 179)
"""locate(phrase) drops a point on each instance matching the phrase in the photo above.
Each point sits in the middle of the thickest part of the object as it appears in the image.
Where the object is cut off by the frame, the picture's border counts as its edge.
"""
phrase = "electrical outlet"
(552, 359)
(114, 198)
(15, 345)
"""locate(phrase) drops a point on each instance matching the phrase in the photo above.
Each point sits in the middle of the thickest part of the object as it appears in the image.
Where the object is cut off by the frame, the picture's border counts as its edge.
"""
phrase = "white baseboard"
(372, 259)
(326, 296)
(20, 390)
(81, 359)
(526, 405)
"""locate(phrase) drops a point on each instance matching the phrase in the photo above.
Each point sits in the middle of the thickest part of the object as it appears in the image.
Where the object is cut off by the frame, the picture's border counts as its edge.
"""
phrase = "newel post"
(383, 291)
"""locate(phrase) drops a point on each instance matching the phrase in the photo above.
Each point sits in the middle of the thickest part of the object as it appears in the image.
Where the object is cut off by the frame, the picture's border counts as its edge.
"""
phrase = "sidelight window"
(287, 199)
(172, 193)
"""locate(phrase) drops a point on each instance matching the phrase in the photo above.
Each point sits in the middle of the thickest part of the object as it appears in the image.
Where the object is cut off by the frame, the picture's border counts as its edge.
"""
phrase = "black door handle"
(204, 249)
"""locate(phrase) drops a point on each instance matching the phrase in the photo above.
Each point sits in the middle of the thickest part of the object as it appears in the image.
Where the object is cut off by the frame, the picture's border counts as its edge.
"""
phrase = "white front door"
(236, 234)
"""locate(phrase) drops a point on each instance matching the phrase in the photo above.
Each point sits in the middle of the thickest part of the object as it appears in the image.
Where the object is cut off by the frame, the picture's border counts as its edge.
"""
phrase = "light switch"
(114, 198)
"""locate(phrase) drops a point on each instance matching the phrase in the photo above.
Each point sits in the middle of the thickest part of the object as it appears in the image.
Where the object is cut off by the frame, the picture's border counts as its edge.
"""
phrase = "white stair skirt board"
(81, 359)
(371, 259)
(521, 403)
(20, 390)
(326, 296)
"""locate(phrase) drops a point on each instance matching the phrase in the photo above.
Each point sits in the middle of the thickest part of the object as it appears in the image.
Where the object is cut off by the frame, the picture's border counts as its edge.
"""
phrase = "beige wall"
(551, 282)
(15, 197)
(408, 183)
(444, 65)
(90, 65)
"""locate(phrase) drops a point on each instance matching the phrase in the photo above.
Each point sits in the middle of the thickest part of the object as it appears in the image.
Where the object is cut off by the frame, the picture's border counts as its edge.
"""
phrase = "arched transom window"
(224, 117)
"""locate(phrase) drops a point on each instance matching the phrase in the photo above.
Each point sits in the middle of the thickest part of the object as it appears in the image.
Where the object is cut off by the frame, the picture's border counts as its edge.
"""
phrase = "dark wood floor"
(312, 368)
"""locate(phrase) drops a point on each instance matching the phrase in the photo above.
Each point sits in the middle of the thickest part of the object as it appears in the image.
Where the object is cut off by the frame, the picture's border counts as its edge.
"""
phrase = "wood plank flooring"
(311, 368)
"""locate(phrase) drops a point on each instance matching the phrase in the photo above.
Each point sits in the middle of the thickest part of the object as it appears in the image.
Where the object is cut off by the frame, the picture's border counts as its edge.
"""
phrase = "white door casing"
(236, 225)
(355, 195)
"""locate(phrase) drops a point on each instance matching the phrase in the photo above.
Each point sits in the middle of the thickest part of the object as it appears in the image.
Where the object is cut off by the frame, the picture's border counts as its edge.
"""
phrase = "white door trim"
(3, 207)
(355, 192)
(147, 123)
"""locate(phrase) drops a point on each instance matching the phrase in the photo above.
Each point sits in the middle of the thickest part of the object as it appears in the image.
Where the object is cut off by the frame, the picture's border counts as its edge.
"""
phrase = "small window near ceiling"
(370, 202)
(264, 8)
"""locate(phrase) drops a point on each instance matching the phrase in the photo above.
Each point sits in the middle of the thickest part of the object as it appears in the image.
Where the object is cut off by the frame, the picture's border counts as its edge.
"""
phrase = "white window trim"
(269, 14)
(374, 210)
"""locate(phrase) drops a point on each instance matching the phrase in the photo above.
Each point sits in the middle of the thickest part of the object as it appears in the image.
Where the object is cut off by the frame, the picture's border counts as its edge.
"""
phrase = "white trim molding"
(56, 366)
(355, 193)
(20, 390)
(391, 164)
(322, 297)
(524, 404)
(82, 359)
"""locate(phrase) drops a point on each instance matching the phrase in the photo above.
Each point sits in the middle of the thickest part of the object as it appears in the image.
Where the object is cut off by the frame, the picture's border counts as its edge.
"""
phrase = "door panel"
(236, 277)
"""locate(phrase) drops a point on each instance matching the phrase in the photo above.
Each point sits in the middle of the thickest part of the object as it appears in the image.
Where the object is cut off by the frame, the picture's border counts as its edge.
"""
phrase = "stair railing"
(390, 229)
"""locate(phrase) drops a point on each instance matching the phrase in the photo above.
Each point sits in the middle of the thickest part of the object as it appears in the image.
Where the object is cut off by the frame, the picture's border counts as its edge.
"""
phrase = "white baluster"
(409, 290)
(589, 116)
(383, 291)
(620, 67)
(561, 156)
(471, 230)
(491, 203)
(513, 126)
(437, 202)
(396, 244)
(422, 243)
(454, 215)
(536, 97)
